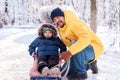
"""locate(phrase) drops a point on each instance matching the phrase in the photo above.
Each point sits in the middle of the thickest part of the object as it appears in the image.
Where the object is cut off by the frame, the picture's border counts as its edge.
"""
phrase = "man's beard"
(61, 25)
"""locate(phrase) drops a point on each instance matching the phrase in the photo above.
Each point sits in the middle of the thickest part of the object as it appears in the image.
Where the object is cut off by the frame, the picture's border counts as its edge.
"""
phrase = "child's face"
(48, 34)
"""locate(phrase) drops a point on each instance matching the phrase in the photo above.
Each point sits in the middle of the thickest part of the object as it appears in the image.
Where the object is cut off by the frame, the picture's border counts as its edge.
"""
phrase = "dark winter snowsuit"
(48, 50)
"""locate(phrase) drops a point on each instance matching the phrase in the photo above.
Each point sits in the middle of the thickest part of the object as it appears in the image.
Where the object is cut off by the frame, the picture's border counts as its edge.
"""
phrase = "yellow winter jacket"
(77, 35)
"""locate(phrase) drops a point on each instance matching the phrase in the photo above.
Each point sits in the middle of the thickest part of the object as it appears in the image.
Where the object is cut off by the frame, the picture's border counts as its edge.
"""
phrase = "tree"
(93, 15)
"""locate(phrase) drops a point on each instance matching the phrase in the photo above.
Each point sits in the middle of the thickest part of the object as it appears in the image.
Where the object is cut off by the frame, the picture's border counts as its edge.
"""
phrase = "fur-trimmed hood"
(46, 26)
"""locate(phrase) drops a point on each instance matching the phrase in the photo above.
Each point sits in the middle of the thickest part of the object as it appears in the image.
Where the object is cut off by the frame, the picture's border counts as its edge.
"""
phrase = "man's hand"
(65, 55)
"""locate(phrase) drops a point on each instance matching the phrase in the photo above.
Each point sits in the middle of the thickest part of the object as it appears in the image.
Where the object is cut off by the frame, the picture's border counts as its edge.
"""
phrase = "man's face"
(59, 21)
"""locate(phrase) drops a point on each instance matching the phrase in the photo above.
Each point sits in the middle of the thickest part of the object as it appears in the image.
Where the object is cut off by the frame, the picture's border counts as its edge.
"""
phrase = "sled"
(64, 68)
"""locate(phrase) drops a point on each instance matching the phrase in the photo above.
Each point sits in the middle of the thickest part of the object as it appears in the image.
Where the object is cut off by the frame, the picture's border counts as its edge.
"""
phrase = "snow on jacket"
(77, 35)
(47, 46)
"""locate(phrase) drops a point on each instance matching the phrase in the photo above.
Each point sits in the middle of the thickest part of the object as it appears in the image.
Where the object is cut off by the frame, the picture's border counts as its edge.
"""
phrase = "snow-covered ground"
(15, 61)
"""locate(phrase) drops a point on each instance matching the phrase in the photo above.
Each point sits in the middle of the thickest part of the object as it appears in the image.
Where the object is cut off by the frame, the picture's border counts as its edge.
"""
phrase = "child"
(48, 47)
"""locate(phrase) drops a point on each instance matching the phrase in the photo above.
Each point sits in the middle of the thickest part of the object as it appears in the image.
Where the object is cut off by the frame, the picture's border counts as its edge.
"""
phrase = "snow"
(15, 61)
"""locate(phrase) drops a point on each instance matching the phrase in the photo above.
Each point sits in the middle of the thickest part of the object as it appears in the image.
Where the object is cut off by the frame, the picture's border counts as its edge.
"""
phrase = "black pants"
(47, 61)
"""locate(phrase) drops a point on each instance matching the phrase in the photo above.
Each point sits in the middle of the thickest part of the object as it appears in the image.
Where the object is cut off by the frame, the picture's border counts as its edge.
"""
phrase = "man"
(84, 45)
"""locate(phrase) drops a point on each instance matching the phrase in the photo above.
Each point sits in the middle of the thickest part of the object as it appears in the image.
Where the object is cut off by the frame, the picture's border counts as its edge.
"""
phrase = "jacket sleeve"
(33, 46)
(61, 45)
(84, 39)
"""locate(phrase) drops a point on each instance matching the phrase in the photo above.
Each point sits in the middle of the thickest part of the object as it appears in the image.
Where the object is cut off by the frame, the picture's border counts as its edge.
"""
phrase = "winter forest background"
(100, 14)
(20, 19)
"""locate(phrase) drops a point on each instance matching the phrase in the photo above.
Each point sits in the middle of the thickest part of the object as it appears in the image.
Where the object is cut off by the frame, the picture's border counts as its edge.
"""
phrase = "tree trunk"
(93, 15)
(119, 15)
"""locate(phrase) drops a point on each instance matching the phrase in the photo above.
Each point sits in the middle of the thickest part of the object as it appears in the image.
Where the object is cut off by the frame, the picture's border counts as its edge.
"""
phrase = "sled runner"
(44, 78)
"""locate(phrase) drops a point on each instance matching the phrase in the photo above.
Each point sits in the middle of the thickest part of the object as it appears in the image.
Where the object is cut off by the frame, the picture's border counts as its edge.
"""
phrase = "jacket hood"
(70, 16)
(45, 27)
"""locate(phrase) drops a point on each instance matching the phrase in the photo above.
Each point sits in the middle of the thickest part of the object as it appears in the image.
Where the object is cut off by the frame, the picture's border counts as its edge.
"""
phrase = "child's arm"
(61, 45)
(33, 46)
